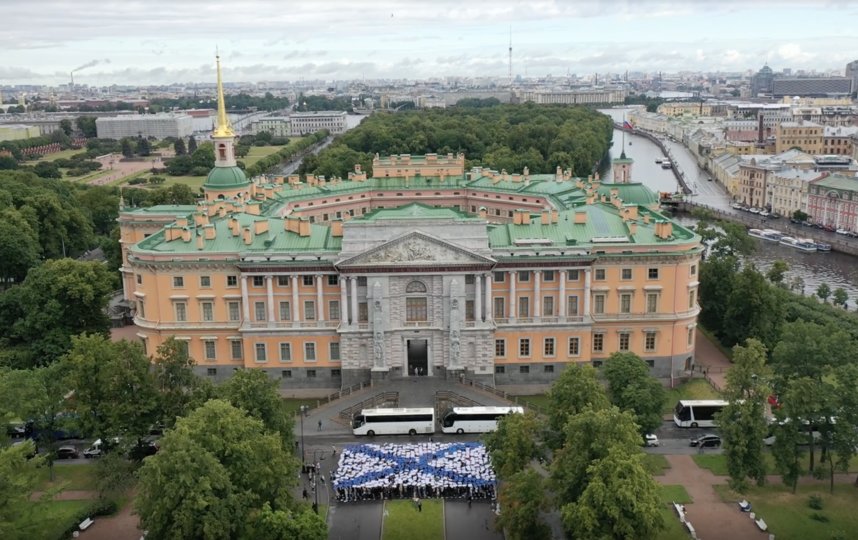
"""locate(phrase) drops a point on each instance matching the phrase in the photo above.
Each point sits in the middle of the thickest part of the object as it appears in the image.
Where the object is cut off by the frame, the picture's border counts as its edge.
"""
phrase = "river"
(835, 269)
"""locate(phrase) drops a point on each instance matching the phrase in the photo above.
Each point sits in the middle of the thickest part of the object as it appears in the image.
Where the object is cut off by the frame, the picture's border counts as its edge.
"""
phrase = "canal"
(835, 269)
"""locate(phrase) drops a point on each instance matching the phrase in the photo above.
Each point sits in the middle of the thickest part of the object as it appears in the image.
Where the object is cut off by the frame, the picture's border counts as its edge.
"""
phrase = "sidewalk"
(708, 356)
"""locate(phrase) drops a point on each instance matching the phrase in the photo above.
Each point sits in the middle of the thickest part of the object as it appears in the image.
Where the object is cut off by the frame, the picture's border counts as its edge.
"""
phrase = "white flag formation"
(383, 471)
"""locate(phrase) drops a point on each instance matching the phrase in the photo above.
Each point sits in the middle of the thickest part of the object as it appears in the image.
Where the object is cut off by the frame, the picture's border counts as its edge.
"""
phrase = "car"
(99, 448)
(706, 441)
(650, 439)
(67, 452)
(145, 447)
(764, 213)
(754, 210)
(844, 232)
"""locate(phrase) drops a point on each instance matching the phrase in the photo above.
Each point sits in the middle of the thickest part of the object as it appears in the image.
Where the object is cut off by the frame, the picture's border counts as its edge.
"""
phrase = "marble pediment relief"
(416, 249)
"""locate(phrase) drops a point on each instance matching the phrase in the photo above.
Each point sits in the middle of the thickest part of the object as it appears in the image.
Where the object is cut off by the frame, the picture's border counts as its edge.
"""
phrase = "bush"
(199, 171)
(100, 507)
(815, 502)
(157, 180)
(822, 518)
(136, 181)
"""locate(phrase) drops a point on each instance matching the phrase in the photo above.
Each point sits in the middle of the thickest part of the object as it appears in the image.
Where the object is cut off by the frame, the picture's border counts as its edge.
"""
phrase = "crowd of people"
(408, 471)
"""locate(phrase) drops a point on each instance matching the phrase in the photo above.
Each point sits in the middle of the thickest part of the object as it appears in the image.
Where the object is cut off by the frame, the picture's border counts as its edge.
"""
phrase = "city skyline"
(160, 43)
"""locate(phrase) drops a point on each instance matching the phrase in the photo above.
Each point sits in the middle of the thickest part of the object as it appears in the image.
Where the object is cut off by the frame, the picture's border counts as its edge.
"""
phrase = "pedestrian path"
(476, 521)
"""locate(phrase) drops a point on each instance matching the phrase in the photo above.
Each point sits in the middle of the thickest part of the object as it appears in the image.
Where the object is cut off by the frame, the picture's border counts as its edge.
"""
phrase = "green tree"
(522, 498)
(742, 422)
(18, 477)
(47, 169)
(144, 148)
(204, 156)
(127, 148)
(844, 435)
(777, 271)
(101, 204)
(753, 310)
(800, 216)
(717, 275)
(8, 163)
(621, 501)
(514, 444)
(180, 165)
(66, 126)
(823, 292)
(840, 297)
(86, 124)
(216, 470)
(256, 393)
(269, 524)
(632, 388)
(192, 144)
(19, 246)
(576, 389)
(174, 376)
(179, 147)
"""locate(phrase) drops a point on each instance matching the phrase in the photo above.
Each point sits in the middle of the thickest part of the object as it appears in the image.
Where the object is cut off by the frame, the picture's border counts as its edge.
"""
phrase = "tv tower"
(510, 56)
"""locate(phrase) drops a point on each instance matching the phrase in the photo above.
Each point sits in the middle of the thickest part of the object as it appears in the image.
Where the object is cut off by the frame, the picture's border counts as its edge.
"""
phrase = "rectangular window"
(309, 352)
(600, 274)
(232, 281)
(599, 303)
(572, 275)
(311, 373)
(205, 281)
(334, 310)
(469, 310)
(258, 281)
(499, 308)
(363, 312)
(524, 347)
(650, 363)
(624, 341)
(626, 274)
(652, 302)
(692, 298)
(308, 281)
(211, 353)
(211, 372)
(548, 275)
(208, 311)
(336, 373)
(625, 303)
(283, 281)
(178, 282)
(690, 337)
(500, 277)
(693, 270)
(260, 352)
(139, 279)
(285, 352)
(234, 311)
(286, 374)
(181, 312)
(500, 348)
(652, 273)
(259, 311)
(548, 306)
(361, 281)
(597, 363)
(523, 276)
(236, 349)
(416, 309)
(141, 309)
(335, 350)
(572, 306)
(548, 346)
(649, 342)
(524, 369)
(524, 307)
(574, 346)
(309, 310)
(285, 311)
(333, 279)
(500, 370)
(598, 342)
(548, 368)
(469, 279)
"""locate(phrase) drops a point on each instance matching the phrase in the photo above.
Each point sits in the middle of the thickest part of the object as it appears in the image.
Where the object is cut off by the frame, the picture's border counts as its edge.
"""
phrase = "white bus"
(697, 413)
(475, 419)
(394, 421)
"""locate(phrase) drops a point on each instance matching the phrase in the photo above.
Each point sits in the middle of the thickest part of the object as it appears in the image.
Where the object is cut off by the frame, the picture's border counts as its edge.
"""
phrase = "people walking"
(320, 425)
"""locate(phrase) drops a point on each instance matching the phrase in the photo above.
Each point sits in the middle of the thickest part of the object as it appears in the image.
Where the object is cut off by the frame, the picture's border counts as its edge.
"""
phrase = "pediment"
(417, 249)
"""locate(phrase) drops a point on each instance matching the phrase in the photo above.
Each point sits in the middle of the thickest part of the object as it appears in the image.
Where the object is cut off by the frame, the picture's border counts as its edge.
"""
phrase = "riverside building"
(422, 269)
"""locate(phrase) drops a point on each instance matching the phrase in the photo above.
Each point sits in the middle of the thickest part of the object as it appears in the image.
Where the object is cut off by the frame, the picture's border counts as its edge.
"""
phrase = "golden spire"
(223, 128)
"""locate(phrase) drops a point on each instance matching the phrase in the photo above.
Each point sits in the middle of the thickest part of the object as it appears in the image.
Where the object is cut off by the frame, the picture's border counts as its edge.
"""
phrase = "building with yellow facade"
(806, 136)
(422, 269)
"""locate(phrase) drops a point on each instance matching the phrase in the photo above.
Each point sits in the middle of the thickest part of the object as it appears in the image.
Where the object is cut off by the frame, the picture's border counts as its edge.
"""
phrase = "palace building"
(422, 269)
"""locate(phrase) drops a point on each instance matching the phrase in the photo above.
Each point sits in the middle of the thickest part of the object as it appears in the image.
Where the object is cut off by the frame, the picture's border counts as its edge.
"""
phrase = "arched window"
(222, 151)
(416, 304)
(416, 287)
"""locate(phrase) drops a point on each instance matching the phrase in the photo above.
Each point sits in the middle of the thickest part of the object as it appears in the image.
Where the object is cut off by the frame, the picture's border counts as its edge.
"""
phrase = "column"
(320, 307)
(537, 293)
(296, 310)
(478, 298)
(512, 276)
(269, 284)
(344, 307)
(353, 285)
(562, 306)
(587, 293)
(489, 304)
(245, 302)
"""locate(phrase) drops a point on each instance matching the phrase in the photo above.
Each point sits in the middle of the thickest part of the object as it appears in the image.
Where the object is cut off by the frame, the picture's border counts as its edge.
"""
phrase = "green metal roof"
(838, 181)
(225, 178)
(631, 193)
(175, 209)
(416, 211)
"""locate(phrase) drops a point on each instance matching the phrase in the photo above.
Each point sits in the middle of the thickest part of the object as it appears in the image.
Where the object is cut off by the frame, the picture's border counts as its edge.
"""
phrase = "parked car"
(775, 215)
(650, 439)
(754, 210)
(145, 447)
(67, 452)
(764, 213)
(844, 232)
(707, 441)
(99, 448)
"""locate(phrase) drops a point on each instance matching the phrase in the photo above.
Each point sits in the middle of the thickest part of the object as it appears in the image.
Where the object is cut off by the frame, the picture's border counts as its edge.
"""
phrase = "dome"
(226, 178)
(631, 193)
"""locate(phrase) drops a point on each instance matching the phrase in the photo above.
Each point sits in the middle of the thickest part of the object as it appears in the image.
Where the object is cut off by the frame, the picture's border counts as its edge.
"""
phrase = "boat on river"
(666, 164)
(822, 246)
(771, 235)
(801, 244)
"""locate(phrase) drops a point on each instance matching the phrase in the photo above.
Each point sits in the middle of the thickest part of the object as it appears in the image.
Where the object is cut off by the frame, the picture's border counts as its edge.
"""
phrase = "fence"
(382, 398)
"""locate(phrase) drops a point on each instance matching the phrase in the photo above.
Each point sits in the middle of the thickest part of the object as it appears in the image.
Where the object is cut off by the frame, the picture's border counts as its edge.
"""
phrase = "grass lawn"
(789, 517)
(717, 463)
(49, 520)
(194, 182)
(65, 154)
(675, 494)
(293, 404)
(71, 477)
(656, 464)
(538, 400)
(693, 389)
(673, 529)
(402, 521)
(258, 152)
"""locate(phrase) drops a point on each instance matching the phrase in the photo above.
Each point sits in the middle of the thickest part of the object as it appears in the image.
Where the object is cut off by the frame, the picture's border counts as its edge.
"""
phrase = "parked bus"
(697, 413)
(394, 421)
(475, 419)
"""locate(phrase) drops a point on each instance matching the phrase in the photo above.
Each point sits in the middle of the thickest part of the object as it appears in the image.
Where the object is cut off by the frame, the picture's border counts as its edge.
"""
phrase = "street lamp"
(303, 410)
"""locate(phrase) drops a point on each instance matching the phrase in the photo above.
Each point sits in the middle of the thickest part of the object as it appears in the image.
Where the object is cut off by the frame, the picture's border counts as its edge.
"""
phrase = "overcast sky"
(159, 41)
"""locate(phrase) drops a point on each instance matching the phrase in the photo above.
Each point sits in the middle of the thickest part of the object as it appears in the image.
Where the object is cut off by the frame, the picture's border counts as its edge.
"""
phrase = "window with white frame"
(261, 353)
(309, 310)
(626, 274)
(308, 281)
(523, 276)
(574, 346)
(205, 281)
(258, 281)
(598, 342)
(181, 309)
(285, 352)
(210, 350)
(652, 302)
(500, 348)
(234, 309)
(599, 274)
(524, 307)
(548, 306)
(690, 337)
(309, 351)
(572, 306)
(334, 310)
(207, 309)
(499, 308)
(524, 347)
(335, 350)
(282, 281)
(548, 275)
(624, 341)
(548, 346)
(178, 282)
(692, 298)
(652, 273)
(236, 349)
(259, 311)
(626, 303)
(232, 281)
(285, 311)
(599, 303)
(572, 275)
(649, 341)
